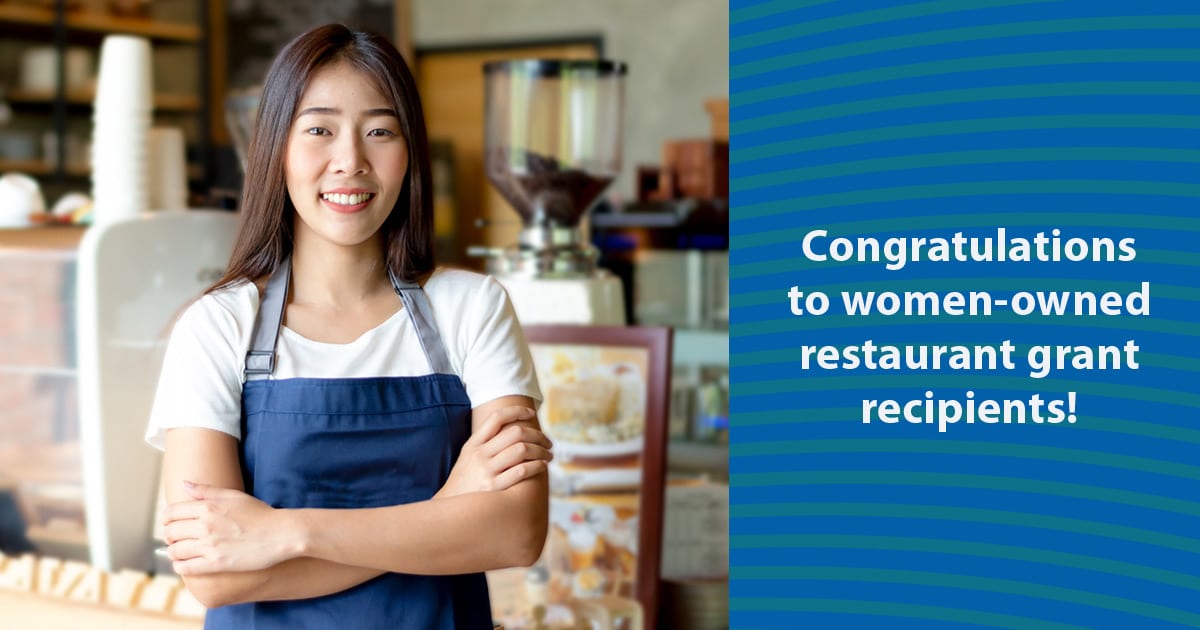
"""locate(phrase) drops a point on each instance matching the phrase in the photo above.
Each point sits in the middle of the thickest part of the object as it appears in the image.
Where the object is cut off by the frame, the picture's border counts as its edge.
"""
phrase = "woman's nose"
(348, 156)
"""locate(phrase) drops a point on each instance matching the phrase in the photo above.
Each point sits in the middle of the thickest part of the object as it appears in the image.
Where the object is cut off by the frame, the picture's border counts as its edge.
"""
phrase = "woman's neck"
(324, 274)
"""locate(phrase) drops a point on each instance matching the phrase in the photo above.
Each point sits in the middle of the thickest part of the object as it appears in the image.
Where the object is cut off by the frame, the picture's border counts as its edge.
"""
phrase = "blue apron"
(355, 443)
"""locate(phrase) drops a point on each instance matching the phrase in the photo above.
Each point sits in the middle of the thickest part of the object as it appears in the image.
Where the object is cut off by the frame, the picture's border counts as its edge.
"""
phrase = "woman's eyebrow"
(370, 113)
(307, 111)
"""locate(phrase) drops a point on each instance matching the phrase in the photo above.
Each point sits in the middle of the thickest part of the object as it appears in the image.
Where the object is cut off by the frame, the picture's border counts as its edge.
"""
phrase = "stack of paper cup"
(121, 119)
(168, 169)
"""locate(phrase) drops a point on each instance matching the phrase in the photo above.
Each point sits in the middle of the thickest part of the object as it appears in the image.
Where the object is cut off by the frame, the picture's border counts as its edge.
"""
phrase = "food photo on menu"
(594, 411)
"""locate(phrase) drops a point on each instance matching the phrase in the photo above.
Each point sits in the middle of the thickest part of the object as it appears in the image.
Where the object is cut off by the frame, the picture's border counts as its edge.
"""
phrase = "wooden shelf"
(85, 97)
(20, 96)
(25, 14)
(29, 167)
(37, 21)
(91, 22)
(101, 23)
(37, 168)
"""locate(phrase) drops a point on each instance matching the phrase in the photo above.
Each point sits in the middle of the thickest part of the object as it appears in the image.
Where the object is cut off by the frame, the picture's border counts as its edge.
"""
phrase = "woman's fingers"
(498, 419)
(185, 529)
(193, 566)
(185, 550)
(505, 448)
(515, 474)
(518, 453)
(534, 436)
(183, 510)
(515, 434)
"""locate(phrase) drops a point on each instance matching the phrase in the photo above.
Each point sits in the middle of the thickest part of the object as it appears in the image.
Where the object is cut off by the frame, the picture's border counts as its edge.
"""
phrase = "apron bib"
(355, 443)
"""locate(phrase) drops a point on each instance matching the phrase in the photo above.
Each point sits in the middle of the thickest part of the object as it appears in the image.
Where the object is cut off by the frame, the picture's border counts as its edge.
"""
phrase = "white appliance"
(594, 300)
(134, 277)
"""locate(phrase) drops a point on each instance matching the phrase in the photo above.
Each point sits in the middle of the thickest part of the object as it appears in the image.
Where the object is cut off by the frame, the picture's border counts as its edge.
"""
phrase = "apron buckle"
(259, 363)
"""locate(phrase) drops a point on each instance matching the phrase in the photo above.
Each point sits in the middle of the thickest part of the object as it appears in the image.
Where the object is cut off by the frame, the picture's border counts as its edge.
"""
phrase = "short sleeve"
(497, 362)
(200, 384)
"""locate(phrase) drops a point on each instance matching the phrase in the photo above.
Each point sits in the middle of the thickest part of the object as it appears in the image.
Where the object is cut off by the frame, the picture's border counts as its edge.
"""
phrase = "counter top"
(33, 610)
(45, 592)
(54, 237)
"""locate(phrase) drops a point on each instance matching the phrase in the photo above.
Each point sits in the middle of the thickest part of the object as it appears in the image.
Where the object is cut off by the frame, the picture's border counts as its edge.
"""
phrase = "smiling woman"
(329, 447)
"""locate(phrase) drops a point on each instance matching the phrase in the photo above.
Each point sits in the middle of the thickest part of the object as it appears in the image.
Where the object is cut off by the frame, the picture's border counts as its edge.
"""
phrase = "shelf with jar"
(83, 97)
(43, 15)
(19, 150)
(48, 58)
(42, 168)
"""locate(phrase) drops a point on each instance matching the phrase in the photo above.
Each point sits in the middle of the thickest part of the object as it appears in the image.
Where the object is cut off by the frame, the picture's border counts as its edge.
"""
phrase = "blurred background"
(650, 249)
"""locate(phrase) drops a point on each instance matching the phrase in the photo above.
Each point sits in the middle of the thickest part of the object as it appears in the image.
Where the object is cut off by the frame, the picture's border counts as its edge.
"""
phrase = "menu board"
(259, 29)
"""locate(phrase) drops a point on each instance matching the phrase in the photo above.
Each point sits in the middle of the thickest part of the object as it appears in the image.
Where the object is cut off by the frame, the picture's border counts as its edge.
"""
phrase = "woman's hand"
(504, 450)
(223, 530)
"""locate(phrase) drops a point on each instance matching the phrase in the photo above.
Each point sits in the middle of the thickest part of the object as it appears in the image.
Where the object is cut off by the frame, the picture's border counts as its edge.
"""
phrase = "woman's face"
(346, 159)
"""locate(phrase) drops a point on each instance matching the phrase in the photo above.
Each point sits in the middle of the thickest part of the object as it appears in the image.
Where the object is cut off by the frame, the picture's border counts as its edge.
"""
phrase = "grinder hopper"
(553, 144)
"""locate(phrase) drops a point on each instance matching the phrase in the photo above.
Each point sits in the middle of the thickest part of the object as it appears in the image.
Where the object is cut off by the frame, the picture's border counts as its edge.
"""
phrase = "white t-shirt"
(201, 380)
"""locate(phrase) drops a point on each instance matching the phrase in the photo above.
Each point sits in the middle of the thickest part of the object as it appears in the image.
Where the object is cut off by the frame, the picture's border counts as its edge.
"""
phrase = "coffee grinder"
(552, 146)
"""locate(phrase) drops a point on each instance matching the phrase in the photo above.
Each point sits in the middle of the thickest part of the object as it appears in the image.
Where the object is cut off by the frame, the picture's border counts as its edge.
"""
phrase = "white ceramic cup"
(39, 68)
(20, 197)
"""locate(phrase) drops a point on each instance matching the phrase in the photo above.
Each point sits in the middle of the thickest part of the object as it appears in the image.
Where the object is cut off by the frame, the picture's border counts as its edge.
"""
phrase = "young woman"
(349, 434)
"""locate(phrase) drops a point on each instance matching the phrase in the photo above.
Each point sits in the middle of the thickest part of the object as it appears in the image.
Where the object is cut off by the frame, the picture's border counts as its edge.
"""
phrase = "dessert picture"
(594, 399)
(592, 546)
(605, 408)
(591, 552)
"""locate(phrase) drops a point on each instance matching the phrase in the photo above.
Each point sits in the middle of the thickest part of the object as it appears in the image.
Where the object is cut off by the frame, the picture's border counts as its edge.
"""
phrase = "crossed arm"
(230, 547)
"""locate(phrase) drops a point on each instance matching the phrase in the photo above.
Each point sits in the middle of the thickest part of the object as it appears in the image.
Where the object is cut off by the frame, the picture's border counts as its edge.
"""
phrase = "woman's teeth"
(346, 200)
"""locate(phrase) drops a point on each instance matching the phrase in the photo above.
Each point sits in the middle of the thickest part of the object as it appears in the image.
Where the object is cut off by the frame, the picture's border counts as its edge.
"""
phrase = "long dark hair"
(265, 236)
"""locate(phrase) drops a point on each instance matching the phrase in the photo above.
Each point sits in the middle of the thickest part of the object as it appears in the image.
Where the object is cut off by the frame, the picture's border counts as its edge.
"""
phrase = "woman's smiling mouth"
(347, 202)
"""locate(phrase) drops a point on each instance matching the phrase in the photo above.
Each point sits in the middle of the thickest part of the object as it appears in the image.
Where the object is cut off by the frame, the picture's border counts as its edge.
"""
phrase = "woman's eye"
(317, 131)
(381, 133)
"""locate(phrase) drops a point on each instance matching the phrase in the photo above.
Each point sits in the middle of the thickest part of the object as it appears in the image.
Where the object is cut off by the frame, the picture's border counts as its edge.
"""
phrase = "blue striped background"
(880, 118)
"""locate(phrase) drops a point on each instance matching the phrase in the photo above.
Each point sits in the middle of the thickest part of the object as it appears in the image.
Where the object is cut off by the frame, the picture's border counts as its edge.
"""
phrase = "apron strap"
(421, 315)
(260, 360)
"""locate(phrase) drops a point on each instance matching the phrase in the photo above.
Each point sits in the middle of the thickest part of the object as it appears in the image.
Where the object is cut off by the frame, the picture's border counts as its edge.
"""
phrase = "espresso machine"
(552, 146)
